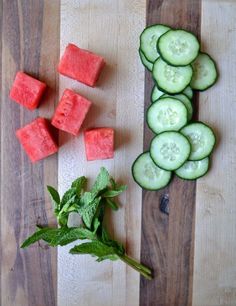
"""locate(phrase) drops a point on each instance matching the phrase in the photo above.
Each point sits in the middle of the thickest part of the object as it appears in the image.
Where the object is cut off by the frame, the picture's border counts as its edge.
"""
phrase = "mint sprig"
(91, 206)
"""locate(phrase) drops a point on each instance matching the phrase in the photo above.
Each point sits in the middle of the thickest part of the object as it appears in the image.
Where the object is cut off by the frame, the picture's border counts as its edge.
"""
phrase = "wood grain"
(167, 241)
(111, 29)
(215, 244)
(28, 277)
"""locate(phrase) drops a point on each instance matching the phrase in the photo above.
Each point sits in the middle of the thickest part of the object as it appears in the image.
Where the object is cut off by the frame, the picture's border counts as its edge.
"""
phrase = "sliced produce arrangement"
(178, 67)
(91, 206)
(83, 66)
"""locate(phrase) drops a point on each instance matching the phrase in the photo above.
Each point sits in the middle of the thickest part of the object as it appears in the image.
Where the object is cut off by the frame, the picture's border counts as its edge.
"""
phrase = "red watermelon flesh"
(71, 112)
(26, 90)
(81, 65)
(99, 143)
(37, 140)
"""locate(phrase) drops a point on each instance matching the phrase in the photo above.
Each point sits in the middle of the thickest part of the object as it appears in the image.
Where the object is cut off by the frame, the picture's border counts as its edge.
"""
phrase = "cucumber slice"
(148, 175)
(166, 114)
(148, 40)
(178, 47)
(170, 150)
(204, 72)
(188, 92)
(192, 170)
(171, 79)
(156, 94)
(201, 138)
(144, 61)
(185, 100)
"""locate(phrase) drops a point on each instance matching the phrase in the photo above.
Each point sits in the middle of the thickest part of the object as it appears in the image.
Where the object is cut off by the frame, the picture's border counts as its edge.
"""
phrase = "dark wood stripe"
(167, 240)
(30, 42)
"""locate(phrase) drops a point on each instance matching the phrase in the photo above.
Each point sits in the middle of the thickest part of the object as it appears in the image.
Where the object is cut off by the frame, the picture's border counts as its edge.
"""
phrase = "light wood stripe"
(111, 29)
(215, 246)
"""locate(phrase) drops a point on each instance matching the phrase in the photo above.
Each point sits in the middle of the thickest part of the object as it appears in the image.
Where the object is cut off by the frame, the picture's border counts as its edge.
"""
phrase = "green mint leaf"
(54, 196)
(102, 182)
(113, 205)
(67, 208)
(88, 211)
(110, 257)
(114, 193)
(67, 235)
(96, 224)
(45, 233)
(94, 248)
(86, 199)
(70, 193)
(59, 236)
(79, 184)
(113, 183)
(62, 220)
(71, 201)
(109, 242)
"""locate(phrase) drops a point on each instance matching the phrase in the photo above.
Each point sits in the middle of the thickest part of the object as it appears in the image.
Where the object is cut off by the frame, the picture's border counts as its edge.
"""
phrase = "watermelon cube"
(26, 90)
(81, 65)
(99, 143)
(37, 140)
(71, 112)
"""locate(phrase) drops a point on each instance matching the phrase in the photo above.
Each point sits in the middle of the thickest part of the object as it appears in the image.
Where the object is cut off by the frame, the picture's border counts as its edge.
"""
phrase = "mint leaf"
(79, 184)
(94, 248)
(59, 236)
(70, 193)
(114, 193)
(45, 234)
(113, 183)
(71, 205)
(112, 204)
(86, 198)
(54, 197)
(67, 235)
(110, 257)
(112, 243)
(102, 182)
(88, 211)
(96, 224)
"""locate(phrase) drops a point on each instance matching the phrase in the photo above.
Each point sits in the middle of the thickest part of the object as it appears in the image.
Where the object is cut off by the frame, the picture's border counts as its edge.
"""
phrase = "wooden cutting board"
(193, 249)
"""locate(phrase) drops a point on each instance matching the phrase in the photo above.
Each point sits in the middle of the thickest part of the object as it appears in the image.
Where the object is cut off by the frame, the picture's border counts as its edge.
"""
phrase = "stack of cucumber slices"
(178, 67)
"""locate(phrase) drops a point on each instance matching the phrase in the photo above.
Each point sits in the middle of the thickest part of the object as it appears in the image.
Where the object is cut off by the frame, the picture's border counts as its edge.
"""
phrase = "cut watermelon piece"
(71, 112)
(26, 90)
(81, 65)
(37, 140)
(99, 143)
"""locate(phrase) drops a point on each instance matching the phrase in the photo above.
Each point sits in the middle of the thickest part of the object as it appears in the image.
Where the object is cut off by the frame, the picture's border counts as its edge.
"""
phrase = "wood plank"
(109, 28)
(167, 241)
(28, 277)
(1, 11)
(215, 245)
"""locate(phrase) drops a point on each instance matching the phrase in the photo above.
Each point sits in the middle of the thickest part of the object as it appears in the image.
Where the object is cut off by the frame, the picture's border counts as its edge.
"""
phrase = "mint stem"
(146, 272)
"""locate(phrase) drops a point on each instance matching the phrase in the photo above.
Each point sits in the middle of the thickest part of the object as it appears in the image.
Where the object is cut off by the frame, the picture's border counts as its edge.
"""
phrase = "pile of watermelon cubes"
(36, 137)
